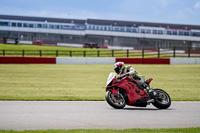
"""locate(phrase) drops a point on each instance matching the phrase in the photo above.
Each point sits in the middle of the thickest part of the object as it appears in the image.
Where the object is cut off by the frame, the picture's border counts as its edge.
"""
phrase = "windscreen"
(110, 77)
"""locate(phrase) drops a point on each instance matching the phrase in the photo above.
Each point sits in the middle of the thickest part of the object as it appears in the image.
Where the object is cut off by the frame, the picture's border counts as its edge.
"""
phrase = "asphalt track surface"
(41, 115)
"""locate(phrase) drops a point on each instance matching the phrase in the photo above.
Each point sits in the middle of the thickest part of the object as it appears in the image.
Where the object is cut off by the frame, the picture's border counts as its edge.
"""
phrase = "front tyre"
(117, 102)
(163, 101)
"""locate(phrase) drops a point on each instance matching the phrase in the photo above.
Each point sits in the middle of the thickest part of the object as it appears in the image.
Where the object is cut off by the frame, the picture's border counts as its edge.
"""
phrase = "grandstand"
(104, 33)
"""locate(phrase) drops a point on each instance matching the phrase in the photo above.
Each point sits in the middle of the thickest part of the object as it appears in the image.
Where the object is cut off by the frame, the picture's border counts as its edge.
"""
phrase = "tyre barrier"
(85, 60)
(95, 60)
(27, 60)
(177, 61)
(144, 60)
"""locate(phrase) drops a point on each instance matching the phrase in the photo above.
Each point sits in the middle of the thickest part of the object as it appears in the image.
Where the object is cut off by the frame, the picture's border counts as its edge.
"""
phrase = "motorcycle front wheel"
(117, 102)
(163, 100)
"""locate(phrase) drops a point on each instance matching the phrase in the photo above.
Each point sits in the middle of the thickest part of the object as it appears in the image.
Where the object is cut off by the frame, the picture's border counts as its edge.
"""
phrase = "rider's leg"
(149, 91)
(147, 88)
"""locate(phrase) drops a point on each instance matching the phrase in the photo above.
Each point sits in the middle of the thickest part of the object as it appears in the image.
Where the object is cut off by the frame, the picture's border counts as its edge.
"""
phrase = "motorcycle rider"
(128, 70)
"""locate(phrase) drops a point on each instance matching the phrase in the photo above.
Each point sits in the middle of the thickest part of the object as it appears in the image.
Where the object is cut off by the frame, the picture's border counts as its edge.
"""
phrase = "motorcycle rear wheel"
(163, 101)
(114, 101)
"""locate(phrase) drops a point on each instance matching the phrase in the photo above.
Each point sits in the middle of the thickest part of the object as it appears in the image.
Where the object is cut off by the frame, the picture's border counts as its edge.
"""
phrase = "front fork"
(115, 92)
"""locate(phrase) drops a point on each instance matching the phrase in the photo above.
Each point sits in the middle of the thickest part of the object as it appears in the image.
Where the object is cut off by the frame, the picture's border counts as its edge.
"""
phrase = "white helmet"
(119, 67)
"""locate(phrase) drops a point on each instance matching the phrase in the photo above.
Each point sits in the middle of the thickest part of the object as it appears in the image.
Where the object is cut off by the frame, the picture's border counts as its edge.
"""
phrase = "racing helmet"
(119, 67)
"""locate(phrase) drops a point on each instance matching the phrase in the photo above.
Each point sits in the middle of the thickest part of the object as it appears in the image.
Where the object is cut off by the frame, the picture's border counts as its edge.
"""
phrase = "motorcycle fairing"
(132, 90)
(114, 91)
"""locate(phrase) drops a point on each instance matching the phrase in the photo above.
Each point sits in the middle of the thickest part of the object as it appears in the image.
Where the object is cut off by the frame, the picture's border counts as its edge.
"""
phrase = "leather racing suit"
(133, 74)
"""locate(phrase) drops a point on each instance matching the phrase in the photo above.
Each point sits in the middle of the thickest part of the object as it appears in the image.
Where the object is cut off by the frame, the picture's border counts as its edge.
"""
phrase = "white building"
(102, 32)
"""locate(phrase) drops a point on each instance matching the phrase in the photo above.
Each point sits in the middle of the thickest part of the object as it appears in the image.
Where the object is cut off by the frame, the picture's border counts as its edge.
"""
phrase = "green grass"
(87, 82)
(37, 47)
(34, 50)
(169, 130)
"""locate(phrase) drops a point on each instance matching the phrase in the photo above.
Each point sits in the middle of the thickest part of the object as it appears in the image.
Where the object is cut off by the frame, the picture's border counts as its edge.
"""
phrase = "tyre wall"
(144, 60)
(85, 60)
(95, 60)
(175, 61)
(27, 60)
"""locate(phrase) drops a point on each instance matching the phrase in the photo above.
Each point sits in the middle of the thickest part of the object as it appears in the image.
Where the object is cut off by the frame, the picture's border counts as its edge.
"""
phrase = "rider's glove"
(123, 75)
(126, 74)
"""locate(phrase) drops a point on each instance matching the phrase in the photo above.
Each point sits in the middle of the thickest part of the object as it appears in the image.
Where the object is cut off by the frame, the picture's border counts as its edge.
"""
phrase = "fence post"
(70, 53)
(23, 53)
(112, 53)
(40, 53)
(84, 53)
(142, 52)
(56, 53)
(189, 52)
(127, 54)
(3, 52)
(98, 53)
(158, 52)
(174, 53)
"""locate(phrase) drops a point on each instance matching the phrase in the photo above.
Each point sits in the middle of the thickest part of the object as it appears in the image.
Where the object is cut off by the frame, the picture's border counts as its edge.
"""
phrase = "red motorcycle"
(122, 92)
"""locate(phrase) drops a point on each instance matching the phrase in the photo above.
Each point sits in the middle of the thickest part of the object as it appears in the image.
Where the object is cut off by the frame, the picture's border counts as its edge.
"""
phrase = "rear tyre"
(163, 101)
(114, 101)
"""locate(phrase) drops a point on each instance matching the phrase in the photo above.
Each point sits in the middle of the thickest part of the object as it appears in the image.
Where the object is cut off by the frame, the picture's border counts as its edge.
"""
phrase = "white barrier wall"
(25, 42)
(70, 45)
(174, 61)
(85, 60)
(112, 60)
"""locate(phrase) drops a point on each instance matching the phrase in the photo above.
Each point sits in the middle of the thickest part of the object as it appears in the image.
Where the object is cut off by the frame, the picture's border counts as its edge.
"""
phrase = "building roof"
(136, 24)
(42, 19)
(102, 22)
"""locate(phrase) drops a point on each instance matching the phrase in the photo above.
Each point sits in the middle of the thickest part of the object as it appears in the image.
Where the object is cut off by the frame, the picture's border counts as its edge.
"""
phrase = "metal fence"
(142, 53)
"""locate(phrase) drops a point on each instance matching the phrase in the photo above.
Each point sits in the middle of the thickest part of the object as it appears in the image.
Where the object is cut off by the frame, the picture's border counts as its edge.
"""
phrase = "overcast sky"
(159, 11)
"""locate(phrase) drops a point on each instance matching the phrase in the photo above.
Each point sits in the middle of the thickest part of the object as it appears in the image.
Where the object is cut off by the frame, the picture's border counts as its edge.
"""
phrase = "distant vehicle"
(90, 45)
(10, 40)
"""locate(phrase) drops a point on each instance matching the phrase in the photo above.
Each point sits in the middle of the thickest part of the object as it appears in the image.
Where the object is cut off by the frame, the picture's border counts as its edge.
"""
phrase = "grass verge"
(87, 82)
(170, 130)
(34, 50)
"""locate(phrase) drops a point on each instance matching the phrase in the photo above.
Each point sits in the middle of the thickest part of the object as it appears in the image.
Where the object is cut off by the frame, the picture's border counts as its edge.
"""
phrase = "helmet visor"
(117, 70)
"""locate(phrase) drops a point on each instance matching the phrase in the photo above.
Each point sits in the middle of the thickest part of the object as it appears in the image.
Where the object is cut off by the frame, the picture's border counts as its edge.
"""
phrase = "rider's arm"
(131, 70)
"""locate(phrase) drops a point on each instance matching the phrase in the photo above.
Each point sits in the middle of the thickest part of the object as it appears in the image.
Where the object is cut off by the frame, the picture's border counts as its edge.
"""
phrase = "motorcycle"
(125, 91)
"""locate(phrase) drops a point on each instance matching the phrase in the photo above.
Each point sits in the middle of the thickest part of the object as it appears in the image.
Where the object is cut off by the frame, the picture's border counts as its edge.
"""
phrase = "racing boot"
(153, 94)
